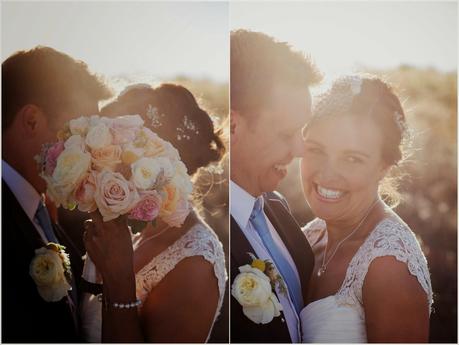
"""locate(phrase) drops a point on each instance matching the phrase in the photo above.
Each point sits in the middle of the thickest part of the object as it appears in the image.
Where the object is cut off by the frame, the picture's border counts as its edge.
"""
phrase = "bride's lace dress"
(340, 318)
(198, 241)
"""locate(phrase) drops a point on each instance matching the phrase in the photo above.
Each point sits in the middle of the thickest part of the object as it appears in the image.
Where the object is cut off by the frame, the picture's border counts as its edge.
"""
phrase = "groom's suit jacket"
(244, 330)
(26, 317)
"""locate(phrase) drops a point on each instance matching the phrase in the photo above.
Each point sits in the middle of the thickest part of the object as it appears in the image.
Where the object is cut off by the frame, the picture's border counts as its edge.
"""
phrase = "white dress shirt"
(241, 207)
(25, 194)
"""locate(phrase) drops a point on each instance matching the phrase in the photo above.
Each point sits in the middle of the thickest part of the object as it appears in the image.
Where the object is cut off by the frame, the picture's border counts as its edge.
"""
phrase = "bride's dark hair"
(172, 112)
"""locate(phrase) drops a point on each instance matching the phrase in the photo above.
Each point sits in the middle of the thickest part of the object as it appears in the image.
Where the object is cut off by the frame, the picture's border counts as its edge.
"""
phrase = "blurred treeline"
(429, 186)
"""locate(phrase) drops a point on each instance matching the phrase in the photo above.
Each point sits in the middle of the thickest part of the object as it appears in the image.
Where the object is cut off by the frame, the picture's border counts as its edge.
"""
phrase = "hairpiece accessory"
(154, 116)
(189, 127)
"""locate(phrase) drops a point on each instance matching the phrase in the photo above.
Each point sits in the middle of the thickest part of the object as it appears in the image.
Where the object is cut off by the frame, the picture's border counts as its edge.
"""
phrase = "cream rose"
(47, 270)
(107, 157)
(179, 215)
(114, 195)
(252, 289)
(146, 170)
(99, 136)
(264, 313)
(71, 167)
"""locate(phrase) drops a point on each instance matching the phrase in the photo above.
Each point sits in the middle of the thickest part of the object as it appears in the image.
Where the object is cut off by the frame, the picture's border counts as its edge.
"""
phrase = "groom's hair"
(259, 62)
(50, 79)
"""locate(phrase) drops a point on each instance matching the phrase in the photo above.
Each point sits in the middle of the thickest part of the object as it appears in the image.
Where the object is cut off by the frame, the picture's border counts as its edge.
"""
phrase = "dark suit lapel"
(240, 246)
(242, 329)
(33, 239)
(296, 243)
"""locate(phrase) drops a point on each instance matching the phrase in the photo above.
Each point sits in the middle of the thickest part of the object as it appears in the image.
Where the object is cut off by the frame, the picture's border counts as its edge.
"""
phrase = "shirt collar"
(24, 192)
(241, 204)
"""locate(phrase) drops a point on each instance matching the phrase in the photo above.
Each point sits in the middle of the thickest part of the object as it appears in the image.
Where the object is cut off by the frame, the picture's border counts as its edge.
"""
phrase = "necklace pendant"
(321, 271)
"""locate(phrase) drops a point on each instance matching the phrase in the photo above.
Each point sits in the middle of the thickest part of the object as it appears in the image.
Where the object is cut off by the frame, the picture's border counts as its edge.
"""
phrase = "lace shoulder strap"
(391, 237)
(314, 230)
(198, 241)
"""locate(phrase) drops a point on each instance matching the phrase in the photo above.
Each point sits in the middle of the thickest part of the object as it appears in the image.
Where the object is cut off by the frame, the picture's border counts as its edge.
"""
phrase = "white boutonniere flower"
(50, 270)
(253, 288)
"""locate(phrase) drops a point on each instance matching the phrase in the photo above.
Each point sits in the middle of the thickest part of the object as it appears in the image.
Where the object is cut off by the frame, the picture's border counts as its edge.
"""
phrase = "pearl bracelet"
(127, 305)
(117, 305)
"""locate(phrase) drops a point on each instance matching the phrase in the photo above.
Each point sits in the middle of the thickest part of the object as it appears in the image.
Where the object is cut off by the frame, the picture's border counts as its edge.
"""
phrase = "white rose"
(99, 136)
(145, 171)
(47, 270)
(75, 141)
(72, 165)
(94, 120)
(79, 126)
(252, 289)
(128, 121)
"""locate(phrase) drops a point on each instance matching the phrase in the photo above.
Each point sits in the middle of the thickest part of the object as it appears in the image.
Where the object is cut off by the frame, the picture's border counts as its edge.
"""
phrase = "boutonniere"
(254, 289)
(50, 270)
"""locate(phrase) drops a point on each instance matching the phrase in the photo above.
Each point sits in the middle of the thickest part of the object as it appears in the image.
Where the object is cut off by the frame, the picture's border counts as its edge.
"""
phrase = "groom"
(270, 104)
(41, 90)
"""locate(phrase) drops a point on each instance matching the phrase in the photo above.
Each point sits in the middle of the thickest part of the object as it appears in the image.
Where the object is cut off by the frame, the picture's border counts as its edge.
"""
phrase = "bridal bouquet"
(116, 166)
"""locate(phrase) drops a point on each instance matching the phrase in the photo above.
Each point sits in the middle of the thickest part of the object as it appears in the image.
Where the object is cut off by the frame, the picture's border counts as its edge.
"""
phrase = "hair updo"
(370, 97)
(171, 111)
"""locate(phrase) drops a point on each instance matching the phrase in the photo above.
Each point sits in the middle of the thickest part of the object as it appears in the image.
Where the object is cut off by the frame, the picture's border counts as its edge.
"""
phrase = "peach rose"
(84, 193)
(107, 157)
(114, 195)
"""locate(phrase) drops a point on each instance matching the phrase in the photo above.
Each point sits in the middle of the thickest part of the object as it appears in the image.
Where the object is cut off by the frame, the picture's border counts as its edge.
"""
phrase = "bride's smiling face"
(342, 166)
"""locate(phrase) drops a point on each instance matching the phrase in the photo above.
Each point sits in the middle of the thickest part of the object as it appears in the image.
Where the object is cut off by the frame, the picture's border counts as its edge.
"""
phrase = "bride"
(163, 284)
(370, 282)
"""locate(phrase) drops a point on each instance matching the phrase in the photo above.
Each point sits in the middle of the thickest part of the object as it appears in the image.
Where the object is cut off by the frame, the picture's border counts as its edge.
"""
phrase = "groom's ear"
(234, 121)
(30, 119)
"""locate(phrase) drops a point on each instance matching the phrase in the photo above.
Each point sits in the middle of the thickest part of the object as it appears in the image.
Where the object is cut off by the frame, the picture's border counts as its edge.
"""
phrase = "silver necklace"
(152, 237)
(323, 268)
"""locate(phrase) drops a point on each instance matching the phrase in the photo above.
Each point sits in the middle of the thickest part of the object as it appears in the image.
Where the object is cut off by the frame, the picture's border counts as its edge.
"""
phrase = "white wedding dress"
(340, 318)
(199, 240)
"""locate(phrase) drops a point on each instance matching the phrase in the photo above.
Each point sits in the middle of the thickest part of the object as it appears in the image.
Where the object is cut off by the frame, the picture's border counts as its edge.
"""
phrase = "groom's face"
(269, 139)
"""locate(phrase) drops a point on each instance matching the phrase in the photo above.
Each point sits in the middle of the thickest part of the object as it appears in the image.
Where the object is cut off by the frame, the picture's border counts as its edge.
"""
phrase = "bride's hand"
(109, 244)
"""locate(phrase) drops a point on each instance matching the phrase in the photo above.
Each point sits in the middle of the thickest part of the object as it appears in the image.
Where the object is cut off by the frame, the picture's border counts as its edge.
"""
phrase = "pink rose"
(124, 128)
(106, 157)
(114, 195)
(178, 216)
(84, 193)
(148, 207)
(51, 157)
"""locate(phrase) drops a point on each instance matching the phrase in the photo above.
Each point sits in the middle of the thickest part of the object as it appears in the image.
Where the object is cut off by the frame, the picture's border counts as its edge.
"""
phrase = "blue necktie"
(259, 223)
(45, 222)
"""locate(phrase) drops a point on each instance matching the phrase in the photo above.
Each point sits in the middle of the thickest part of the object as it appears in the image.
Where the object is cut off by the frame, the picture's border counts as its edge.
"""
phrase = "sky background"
(345, 36)
(153, 40)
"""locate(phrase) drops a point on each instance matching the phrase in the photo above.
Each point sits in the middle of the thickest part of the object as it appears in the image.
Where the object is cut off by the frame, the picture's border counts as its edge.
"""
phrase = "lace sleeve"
(390, 238)
(198, 241)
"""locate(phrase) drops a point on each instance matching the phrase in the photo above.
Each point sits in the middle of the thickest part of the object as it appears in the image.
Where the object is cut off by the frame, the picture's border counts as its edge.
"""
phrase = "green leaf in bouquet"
(136, 225)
